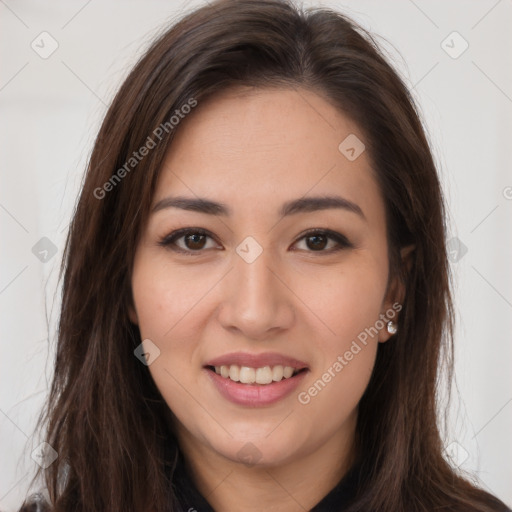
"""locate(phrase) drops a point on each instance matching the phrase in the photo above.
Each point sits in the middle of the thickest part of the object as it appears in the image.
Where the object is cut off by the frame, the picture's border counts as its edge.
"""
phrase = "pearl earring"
(392, 327)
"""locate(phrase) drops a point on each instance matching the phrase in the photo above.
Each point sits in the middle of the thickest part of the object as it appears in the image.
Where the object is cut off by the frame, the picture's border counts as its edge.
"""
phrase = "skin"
(254, 149)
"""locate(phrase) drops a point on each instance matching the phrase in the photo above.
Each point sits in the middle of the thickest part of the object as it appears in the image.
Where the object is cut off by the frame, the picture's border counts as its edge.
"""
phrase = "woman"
(256, 296)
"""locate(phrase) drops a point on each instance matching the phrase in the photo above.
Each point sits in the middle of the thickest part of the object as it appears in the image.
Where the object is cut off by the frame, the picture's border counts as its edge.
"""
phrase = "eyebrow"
(302, 205)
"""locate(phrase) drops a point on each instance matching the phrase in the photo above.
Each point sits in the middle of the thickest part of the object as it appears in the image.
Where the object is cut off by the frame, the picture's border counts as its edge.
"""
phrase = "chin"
(259, 450)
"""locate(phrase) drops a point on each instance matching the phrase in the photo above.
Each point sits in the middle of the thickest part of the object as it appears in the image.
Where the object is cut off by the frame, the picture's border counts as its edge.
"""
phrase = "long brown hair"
(105, 417)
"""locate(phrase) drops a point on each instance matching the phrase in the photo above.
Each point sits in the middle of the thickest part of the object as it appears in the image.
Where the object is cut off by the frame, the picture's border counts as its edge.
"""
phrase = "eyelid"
(342, 241)
(169, 240)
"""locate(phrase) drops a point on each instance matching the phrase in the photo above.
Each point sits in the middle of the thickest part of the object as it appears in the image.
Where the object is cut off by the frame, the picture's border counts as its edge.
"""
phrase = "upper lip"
(256, 360)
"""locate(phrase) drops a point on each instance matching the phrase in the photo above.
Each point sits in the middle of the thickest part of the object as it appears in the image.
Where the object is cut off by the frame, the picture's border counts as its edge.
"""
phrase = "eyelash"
(169, 240)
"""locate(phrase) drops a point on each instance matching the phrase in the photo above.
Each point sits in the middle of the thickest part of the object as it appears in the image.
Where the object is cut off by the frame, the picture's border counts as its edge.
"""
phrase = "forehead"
(258, 148)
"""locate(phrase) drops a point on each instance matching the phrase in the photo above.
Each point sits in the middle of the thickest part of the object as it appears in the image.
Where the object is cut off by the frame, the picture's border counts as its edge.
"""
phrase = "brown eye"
(318, 241)
(187, 241)
(194, 241)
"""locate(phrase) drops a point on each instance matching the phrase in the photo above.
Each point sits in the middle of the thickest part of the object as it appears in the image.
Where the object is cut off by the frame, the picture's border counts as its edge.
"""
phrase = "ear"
(132, 313)
(395, 294)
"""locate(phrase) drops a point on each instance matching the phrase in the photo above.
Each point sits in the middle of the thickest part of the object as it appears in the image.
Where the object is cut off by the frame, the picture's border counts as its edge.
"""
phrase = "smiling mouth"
(262, 376)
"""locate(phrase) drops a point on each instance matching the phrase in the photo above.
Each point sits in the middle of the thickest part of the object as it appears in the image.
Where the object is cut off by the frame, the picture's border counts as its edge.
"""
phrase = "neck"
(295, 485)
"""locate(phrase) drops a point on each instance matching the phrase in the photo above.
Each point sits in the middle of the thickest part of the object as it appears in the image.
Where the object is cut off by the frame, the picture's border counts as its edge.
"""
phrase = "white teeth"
(264, 375)
(287, 372)
(234, 372)
(247, 375)
(277, 373)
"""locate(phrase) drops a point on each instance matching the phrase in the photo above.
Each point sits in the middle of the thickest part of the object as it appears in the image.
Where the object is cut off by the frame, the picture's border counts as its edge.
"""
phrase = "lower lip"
(255, 395)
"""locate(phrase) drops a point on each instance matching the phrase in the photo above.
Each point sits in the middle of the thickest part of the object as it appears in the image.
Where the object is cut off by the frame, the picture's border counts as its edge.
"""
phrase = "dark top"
(191, 499)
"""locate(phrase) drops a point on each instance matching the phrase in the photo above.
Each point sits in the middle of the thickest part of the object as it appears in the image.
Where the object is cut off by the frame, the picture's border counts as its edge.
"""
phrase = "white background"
(50, 111)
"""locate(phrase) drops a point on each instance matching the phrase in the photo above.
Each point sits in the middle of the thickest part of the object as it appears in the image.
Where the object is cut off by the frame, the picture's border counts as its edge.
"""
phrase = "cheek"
(170, 302)
(348, 302)
(165, 297)
(168, 305)
(350, 307)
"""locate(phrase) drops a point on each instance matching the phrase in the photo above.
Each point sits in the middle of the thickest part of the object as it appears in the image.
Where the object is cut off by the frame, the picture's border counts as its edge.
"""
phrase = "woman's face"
(252, 292)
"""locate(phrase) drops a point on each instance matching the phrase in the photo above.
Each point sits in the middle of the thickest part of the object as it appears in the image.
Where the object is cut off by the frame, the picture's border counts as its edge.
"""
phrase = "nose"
(256, 301)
